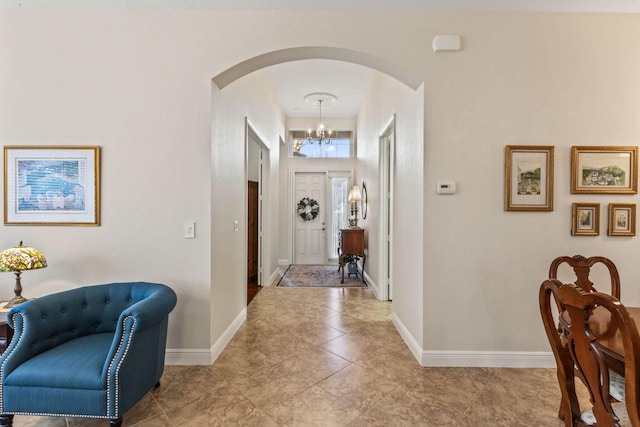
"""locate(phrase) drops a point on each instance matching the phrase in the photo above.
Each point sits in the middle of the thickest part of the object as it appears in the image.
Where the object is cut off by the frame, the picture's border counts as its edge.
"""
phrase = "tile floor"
(332, 357)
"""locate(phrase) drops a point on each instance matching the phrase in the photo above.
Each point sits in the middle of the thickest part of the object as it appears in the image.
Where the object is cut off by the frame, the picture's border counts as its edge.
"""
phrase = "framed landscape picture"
(51, 185)
(604, 170)
(585, 219)
(622, 219)
(528, 178)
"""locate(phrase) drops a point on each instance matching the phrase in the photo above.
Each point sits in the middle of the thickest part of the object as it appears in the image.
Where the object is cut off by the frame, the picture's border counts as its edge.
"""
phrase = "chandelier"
(321, 133)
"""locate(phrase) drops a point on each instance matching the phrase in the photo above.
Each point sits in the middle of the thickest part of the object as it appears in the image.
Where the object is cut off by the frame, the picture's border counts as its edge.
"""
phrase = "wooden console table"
(352, 243)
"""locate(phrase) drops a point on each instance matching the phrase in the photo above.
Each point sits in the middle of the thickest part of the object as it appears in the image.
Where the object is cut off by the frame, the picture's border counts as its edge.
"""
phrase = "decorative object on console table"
(16, 260)
(351, 261)
(351, 246)
(355, 196)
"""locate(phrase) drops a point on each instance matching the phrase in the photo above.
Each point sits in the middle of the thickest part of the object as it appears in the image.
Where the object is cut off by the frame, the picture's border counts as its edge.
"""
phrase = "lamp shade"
(355, 195)
(20, 258)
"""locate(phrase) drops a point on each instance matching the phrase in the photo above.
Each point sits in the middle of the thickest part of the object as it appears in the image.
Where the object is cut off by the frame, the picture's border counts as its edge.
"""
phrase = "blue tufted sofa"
(92, 351)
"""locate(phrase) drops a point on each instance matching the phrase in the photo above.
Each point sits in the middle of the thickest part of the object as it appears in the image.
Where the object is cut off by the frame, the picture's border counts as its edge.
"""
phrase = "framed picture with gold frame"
(51, 185)
(585, 219)
(528, 178)
(604, 170)
(622, 219)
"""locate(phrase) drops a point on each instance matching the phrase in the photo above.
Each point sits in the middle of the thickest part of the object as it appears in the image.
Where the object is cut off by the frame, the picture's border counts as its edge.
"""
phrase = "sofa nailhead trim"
(117, 369)
(11, 348)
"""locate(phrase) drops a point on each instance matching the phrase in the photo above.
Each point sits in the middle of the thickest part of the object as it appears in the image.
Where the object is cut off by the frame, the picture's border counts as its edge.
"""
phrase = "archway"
(317, 52)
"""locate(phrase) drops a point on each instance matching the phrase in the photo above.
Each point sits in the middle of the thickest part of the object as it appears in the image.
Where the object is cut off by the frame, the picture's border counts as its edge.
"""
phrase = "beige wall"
(389, 100)
(536, 79)
(253, 97)
(138, 83)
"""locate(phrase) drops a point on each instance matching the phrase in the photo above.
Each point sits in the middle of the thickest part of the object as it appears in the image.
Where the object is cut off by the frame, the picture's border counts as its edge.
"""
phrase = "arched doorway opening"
(224, 160)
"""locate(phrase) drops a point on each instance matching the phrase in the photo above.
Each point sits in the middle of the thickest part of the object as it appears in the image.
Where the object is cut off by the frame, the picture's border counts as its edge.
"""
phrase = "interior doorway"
(252, 240)
(257, 162)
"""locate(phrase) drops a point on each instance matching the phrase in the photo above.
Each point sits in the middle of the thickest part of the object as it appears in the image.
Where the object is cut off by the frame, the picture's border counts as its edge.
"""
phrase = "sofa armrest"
(136, 356)
(13, 357)
(146, 313)
(151, 310)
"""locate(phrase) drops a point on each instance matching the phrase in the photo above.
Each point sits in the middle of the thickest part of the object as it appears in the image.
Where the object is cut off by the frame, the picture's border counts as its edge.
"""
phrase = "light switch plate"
(189, 229)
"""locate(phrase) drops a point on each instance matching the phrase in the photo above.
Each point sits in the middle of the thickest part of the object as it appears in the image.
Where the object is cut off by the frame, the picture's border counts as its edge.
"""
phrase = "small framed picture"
(50, 185)
(585, 219)
(622, 219)
(604, 170)
(528, 178)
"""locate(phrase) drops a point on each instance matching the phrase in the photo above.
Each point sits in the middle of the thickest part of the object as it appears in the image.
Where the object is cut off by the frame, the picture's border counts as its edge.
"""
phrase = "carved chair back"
(582, 268)
(575, 346)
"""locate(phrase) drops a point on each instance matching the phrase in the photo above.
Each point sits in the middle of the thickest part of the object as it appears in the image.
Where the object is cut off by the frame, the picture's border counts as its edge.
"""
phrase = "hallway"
(332, 357)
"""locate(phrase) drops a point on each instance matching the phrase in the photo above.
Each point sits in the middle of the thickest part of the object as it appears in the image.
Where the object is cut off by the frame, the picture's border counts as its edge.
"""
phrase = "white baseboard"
(275, 277)
(206, 357)
(413, 345)
(372, 285)
(478, 359)
(489, 359)
(284, 262)
(187, 357)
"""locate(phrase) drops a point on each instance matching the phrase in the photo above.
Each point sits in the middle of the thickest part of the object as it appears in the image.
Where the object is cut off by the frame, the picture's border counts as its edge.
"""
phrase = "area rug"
(318, 276)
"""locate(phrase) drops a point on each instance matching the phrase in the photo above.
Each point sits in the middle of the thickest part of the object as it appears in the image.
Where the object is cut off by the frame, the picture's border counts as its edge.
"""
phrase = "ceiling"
(347, 81)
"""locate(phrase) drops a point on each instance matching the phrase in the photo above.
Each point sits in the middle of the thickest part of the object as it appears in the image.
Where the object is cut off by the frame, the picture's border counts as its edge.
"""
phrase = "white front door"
(310, 233)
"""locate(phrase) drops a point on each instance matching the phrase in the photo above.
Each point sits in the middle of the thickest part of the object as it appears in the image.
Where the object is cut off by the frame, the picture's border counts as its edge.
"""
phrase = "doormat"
(318, 276)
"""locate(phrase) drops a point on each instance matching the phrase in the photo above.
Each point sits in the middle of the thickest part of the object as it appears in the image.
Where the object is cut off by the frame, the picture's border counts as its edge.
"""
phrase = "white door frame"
(386, 173)
(263, 164)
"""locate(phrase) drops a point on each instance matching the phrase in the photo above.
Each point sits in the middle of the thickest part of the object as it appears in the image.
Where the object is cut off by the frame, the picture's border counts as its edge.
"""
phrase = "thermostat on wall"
(446, 187)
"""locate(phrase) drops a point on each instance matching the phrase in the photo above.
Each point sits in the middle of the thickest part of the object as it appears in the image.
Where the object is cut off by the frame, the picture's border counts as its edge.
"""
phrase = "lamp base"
(17, 300)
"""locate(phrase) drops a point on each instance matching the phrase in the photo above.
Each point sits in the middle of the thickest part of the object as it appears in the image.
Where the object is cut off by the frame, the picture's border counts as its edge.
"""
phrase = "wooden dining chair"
(582, 268)
(575, 346)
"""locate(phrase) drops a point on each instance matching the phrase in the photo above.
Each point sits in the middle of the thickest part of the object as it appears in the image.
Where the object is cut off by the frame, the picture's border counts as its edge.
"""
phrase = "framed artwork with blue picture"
(50, 185)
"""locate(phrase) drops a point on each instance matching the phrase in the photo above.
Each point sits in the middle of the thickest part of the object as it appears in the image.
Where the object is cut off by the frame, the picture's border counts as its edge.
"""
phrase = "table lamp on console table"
(354, 197)
(16, 259)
